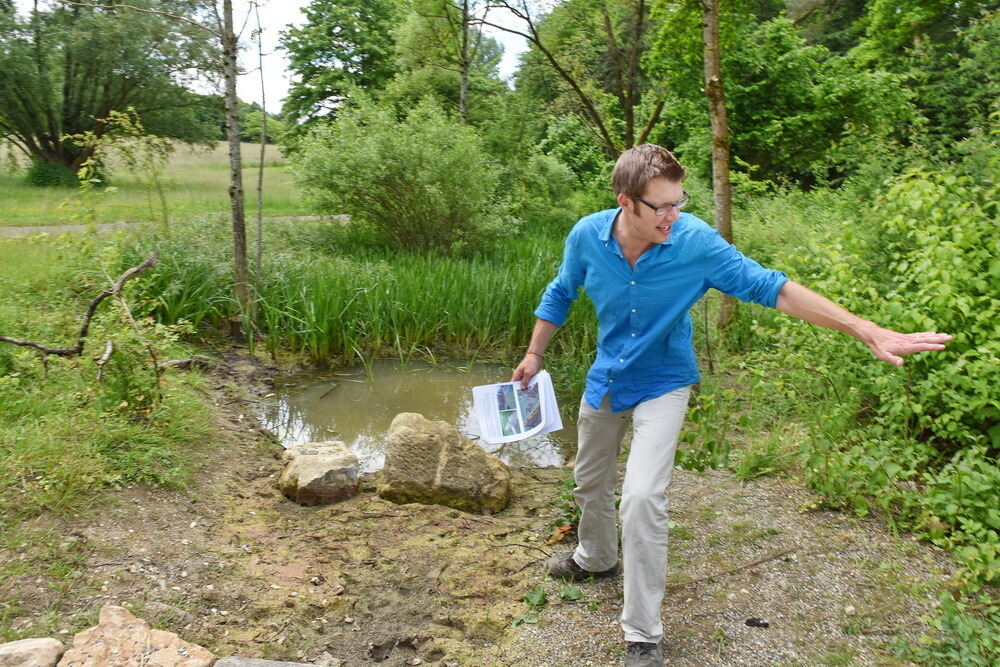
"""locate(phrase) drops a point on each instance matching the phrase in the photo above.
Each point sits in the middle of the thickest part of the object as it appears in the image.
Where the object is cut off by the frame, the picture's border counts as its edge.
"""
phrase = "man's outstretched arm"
(885, 344)
(532, 361)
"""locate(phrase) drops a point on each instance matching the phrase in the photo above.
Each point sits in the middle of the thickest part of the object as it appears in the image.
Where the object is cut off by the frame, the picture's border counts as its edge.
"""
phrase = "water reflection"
(347, 407)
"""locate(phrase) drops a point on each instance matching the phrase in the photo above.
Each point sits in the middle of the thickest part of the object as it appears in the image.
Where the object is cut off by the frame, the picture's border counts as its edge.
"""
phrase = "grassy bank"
(195, 182)
(66, 432)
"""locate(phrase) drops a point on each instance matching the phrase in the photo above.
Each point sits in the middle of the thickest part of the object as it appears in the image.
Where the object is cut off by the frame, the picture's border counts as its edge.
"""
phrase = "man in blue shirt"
(644, 265)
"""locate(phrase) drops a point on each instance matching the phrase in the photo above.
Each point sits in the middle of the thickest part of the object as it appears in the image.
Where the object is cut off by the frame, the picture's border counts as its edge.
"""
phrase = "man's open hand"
(887, 345)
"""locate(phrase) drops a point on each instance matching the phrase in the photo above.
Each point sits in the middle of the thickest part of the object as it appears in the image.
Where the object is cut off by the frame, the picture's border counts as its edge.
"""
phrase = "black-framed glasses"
(665, 208)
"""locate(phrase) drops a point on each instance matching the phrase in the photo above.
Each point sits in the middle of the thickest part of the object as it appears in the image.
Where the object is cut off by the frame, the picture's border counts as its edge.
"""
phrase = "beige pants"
(656, 425)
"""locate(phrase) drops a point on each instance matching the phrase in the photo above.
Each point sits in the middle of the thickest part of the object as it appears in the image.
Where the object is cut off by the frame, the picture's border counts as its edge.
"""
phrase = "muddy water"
(349, 407)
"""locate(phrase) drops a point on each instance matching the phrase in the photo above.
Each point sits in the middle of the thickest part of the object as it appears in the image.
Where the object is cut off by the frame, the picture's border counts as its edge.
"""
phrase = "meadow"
(195, 183)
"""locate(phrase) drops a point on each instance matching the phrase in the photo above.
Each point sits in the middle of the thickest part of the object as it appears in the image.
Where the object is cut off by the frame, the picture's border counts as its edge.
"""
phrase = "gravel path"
(11, 232)
(842, 594)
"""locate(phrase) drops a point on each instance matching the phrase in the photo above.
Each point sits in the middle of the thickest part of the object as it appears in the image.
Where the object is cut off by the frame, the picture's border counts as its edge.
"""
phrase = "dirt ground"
(233, 566)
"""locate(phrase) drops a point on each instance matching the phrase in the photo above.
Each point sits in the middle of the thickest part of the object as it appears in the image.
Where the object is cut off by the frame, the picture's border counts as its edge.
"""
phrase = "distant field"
(196, 182)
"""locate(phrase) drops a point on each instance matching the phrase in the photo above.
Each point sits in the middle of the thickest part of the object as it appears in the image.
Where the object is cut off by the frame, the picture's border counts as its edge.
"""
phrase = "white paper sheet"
(506, 412)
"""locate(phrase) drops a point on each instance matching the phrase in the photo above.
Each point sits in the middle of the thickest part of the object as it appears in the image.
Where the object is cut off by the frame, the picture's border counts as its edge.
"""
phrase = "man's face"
(642, 220)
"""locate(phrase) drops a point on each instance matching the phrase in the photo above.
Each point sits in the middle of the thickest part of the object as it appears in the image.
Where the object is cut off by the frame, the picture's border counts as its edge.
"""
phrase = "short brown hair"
(637, 166)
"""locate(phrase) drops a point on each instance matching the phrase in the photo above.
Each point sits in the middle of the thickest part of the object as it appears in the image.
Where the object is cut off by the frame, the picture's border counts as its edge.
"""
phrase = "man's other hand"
(887, 345)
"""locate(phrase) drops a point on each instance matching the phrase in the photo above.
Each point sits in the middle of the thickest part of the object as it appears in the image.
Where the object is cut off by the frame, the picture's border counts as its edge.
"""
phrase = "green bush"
(44, 174)
(919, 442)
(936, 261)
(543, 190)
(424, 183)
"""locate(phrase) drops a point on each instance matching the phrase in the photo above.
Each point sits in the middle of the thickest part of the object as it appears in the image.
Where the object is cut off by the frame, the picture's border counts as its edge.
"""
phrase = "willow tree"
(64, 68)
(213, 25)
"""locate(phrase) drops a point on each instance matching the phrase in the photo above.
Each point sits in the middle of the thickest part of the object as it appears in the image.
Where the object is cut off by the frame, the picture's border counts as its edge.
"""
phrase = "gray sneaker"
(562, 566)
(644, 654)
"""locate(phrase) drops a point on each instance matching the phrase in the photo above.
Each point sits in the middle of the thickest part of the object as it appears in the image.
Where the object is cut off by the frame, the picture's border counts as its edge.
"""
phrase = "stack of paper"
(506, 412)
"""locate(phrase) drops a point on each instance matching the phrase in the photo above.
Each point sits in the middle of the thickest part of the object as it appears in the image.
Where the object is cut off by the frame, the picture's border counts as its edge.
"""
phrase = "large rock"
(122, 640)
(31, 653)
(430, 462)
(319, 473)
(236, 661)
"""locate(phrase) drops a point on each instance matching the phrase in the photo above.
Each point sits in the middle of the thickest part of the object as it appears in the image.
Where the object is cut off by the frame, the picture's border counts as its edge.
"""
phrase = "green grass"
(196, 182)
(64, 434)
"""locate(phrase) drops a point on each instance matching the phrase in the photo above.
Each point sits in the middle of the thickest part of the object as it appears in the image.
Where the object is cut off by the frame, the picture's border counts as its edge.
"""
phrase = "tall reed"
(332, 303)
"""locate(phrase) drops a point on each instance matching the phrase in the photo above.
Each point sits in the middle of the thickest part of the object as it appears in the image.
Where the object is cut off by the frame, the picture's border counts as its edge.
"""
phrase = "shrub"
(543, 188)
(424, 183)
(919, 442)
(44, 174)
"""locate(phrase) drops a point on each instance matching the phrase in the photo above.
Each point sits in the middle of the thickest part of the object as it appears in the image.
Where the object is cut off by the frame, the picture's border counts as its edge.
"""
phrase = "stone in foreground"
(31, 653)
(236, 661)
(123, 640)
(430, 462)
(319, 473)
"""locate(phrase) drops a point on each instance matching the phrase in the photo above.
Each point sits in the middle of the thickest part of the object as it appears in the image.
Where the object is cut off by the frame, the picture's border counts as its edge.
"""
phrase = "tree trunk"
(465, 65)
(721, 191)
(263, 153)
(241, 281)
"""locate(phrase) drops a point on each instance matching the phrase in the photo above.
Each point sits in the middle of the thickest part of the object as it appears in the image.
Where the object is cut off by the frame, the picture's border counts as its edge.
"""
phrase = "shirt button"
(621, 361)
(611, 381)
(633, 310)
(632, 283)
(633, 335)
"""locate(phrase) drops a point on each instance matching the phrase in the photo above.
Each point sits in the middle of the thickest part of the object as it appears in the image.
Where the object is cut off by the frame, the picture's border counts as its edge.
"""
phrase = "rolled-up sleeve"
(733, 273)
(564, 288)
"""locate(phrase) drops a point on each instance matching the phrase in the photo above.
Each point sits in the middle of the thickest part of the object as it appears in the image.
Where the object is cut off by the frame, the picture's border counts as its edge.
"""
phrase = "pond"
(351, 407)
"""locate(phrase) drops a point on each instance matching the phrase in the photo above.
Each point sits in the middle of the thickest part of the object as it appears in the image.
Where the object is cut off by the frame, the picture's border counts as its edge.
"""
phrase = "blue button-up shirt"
(644, 346)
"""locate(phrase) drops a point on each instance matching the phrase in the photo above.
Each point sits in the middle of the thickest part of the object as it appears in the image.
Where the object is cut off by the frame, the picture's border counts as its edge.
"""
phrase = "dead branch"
(157, 370)
(188, 364)
(525, 546)
(115, 290)
(735, 569)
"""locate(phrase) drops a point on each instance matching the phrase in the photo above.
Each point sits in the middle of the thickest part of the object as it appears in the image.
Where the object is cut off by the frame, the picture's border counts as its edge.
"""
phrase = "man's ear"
(626, 202)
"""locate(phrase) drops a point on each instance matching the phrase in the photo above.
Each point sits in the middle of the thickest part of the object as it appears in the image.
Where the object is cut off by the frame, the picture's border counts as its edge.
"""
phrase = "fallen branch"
(188, 364)
(115, 290)
(734, 570)
(525, 546)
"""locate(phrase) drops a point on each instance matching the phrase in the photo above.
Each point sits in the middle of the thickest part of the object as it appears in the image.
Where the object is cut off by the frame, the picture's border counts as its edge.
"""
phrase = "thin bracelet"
(536, 354)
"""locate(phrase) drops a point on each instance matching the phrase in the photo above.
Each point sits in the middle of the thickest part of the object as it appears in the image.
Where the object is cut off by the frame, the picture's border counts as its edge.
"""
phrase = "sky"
(275, 15)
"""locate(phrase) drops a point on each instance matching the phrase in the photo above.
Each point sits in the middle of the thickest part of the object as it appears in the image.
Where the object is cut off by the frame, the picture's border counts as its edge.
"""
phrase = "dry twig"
(735, 569)
(115, 290)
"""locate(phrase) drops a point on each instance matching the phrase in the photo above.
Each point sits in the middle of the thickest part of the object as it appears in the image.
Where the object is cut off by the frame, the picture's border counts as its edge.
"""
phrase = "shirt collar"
(605, 231)
(612, 214)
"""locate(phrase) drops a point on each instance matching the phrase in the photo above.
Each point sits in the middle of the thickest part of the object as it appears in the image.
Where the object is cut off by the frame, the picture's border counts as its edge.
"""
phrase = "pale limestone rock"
(319, 473)
(236, 661)
(122, 640)
(31, 653)
(430, 462)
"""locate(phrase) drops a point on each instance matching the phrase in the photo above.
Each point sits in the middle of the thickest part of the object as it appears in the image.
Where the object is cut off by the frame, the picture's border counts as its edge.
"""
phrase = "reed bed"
(336, 303)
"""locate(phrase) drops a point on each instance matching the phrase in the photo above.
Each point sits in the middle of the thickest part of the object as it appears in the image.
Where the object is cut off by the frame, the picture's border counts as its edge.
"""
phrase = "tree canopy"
(65, 68)
(343, 46)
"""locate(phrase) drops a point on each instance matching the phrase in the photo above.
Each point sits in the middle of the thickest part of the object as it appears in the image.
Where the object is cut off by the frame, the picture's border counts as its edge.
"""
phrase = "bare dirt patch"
(230, 564)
